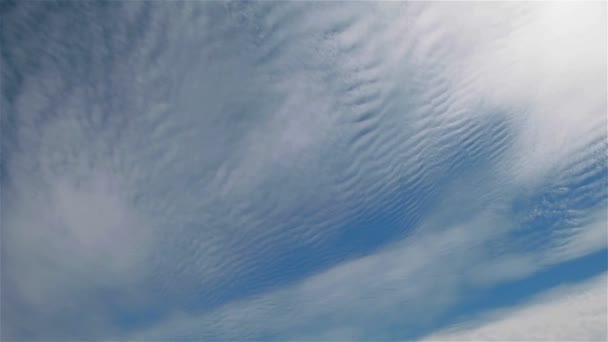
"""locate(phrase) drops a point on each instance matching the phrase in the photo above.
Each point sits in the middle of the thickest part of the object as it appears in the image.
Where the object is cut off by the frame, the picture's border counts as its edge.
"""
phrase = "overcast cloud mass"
(207, 171)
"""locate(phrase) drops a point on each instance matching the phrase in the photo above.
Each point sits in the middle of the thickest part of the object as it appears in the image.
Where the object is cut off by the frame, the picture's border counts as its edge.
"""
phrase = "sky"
(312, 171)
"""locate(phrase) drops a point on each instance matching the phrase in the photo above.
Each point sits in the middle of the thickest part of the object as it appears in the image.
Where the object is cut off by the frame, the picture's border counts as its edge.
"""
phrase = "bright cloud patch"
(302, 170)
(575, 313)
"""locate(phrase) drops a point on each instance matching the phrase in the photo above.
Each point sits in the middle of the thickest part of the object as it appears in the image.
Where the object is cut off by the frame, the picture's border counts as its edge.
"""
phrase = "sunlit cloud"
(310, 171)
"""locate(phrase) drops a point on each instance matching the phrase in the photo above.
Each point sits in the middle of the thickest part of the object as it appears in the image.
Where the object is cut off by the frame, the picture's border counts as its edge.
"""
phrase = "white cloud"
(568, 313)
(216, 146)
(556, 69)
(407, 285)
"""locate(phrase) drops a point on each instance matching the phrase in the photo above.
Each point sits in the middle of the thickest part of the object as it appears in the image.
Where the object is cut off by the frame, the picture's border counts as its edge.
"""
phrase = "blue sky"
(303, 171)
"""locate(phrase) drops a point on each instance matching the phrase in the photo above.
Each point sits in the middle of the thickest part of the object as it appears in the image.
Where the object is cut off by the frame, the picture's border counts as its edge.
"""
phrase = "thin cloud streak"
(569, 313)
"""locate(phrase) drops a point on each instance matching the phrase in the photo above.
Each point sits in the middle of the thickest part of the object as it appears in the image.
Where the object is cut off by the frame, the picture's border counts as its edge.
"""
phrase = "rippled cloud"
(300, 170)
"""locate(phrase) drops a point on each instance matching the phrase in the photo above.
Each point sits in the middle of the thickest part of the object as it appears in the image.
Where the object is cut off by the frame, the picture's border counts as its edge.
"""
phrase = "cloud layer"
(267, 170)
(575, 313)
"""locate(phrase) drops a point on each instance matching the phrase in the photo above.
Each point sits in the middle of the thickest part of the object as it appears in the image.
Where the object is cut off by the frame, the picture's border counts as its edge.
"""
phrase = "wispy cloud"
(572, 313)
(291, 170)
(389, 295)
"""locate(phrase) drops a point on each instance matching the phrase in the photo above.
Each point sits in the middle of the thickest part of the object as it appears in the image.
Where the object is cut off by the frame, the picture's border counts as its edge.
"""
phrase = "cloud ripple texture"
(298, 170)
